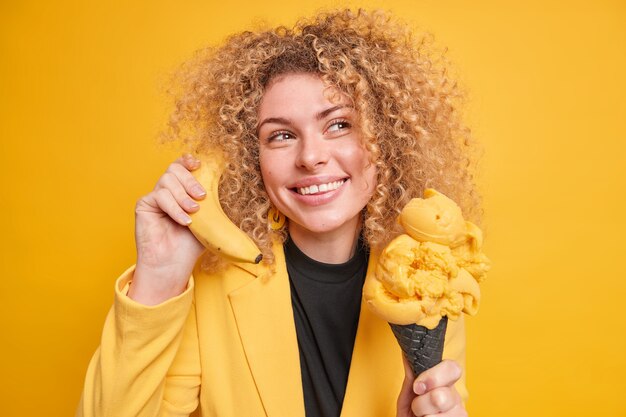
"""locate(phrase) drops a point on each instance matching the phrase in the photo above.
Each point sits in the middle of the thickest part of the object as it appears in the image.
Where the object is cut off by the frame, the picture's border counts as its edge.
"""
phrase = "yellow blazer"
(228, 344)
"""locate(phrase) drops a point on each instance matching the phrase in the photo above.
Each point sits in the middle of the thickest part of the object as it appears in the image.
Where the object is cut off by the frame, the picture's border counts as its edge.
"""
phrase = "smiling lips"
(320, 188)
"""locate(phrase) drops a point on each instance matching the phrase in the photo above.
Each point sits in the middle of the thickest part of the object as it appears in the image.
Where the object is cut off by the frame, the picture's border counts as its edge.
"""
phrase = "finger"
(457, 411)
(406, 393)
(171, 182)
(444, 374)
(189, 161)
(188, 181)
(165, 201)
(438, 400)
(408, 372)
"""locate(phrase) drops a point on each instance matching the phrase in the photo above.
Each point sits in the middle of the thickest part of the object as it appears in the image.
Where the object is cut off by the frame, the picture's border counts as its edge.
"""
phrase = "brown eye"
(338, 125)
(280, 136)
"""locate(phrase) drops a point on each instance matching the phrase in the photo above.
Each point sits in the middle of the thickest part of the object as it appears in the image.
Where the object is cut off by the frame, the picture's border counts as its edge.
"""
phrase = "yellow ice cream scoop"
(426, 276)
(420, 282)
(433, 270)
(434, 218)
(437, 218)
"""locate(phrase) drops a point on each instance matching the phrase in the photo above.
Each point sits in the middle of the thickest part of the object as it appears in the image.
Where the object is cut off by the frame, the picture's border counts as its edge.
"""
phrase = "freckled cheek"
(357, 159)
(366, 170)
(270, 182)
(268, 179)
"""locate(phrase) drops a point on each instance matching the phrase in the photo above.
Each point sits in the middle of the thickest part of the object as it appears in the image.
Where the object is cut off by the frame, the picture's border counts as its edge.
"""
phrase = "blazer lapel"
(376, 370)
(264, 316)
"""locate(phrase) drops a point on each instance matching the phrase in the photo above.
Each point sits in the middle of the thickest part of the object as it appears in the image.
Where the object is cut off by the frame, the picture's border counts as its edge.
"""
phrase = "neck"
(334, 247)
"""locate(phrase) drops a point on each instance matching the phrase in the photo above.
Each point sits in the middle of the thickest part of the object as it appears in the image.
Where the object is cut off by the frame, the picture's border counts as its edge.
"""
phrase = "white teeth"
(321, 188)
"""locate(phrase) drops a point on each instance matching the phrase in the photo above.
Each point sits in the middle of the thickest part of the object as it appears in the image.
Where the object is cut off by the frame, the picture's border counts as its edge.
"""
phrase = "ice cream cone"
(422, 347)
(427, 276)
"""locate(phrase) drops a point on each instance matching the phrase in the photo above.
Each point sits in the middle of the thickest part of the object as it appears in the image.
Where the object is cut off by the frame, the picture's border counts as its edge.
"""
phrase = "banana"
(211, 226)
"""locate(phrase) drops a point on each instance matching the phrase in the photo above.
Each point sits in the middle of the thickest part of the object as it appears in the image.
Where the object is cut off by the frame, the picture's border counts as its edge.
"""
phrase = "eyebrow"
(318, 116)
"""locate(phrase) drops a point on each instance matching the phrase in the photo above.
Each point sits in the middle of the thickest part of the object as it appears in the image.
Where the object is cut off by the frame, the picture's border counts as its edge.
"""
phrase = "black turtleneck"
(326, 300)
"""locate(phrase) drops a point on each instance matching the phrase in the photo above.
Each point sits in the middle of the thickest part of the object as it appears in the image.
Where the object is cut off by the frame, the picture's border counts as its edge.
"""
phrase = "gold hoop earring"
(276, 218)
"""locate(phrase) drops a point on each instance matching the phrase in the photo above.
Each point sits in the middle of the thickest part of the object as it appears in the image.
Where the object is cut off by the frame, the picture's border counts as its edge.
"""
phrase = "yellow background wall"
(81, 106)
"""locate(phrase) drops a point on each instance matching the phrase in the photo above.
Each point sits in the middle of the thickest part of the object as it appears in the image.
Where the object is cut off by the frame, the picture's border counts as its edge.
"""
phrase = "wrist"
(150, 287)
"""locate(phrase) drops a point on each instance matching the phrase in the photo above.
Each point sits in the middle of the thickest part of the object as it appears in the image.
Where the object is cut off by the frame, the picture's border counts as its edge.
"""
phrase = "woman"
(334, 124)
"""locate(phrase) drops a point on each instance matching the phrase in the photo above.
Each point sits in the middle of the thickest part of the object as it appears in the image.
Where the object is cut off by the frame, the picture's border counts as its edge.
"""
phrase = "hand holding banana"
(166, 248)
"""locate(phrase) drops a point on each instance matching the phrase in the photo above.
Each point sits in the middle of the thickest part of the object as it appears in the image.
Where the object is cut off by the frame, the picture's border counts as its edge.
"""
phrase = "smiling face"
(314, 167)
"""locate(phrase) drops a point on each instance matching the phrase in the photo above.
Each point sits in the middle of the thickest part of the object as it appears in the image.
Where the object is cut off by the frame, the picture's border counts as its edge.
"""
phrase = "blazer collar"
(264, 317)
(376, 369)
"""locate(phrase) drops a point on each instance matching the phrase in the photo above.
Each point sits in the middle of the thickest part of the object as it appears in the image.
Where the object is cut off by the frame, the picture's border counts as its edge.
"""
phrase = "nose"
(313, 152)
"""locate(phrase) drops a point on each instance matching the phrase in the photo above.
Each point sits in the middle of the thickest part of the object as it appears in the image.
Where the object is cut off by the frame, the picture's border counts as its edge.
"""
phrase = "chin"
(319, 227)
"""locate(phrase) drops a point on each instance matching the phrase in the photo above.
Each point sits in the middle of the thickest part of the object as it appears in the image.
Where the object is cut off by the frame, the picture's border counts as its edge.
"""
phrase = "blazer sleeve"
(148, 361)
(454, 348)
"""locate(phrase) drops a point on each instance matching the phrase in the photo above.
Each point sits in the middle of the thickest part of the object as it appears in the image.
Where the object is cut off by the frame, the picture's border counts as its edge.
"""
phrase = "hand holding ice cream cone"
(433, 392)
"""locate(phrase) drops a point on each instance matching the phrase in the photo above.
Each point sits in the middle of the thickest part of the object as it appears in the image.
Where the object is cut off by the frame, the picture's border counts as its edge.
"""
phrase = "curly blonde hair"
(408, 111)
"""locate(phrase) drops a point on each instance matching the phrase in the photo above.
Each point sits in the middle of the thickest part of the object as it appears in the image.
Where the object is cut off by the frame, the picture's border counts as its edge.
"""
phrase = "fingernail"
(199, 191)
(419, 388)
(191, 159)
(187, 220)
(192, 204)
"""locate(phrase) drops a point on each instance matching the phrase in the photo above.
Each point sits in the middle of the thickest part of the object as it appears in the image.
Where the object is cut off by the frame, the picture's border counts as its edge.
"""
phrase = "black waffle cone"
(423, 347)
